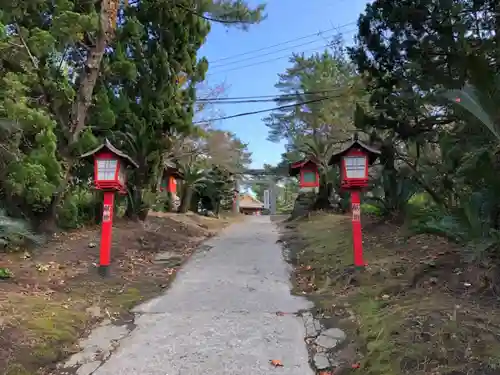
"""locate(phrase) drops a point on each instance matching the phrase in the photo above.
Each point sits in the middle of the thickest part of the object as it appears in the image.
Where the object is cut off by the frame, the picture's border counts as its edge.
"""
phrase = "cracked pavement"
(219, 315)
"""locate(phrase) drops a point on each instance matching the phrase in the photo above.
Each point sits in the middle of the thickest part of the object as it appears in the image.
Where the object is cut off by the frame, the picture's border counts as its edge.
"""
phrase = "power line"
(268, 60)
(265, 54)
(287, 56)
(258, 98)
(261, 111)
(239, 101)
(317, 34)
(276, 99)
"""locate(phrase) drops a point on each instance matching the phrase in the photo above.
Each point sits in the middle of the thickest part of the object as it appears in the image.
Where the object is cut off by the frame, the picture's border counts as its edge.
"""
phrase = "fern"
(469, 225)
(400, 191)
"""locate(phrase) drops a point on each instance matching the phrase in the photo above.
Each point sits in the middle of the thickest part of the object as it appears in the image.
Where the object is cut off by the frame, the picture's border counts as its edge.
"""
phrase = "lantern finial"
(355, 137)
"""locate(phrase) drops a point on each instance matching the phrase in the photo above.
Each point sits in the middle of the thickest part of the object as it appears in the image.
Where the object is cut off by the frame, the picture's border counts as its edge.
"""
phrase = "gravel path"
(219, 316)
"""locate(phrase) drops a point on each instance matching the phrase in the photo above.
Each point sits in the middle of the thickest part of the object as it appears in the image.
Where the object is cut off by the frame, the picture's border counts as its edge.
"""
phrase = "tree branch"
(32, 58)
(231, 22)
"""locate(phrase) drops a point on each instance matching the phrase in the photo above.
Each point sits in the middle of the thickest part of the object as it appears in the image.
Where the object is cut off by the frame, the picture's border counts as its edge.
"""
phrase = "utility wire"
(268, 53)
(266, 61)
(262, 111)
(267, 96)
(287, 56)
(240, 101)
(261, 98)
(317, 34)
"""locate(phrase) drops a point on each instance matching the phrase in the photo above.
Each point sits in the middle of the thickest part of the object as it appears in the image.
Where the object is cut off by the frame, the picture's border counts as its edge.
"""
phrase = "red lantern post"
(307, 171)
(169, 177)
(354, 161)
(109, 176)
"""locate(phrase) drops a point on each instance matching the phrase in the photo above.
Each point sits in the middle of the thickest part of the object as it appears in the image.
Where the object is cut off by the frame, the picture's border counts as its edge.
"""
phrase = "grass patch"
(375, 330)
(17, 369)
(132, 296)
(50, 326)
(408, 312)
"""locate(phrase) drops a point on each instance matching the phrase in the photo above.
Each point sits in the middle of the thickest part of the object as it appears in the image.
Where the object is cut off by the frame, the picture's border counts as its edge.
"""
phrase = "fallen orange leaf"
(355, 365)
(276, 363)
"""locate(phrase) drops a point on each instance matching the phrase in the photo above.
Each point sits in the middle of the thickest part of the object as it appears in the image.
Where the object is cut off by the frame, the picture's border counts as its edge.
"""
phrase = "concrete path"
(219, 316)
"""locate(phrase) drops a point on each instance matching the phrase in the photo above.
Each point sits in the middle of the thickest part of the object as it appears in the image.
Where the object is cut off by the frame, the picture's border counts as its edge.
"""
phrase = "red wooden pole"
(357, 239)
(106, 229)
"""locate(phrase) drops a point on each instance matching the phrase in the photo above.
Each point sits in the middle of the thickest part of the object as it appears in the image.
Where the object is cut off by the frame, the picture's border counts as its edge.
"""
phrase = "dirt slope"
(416, 309)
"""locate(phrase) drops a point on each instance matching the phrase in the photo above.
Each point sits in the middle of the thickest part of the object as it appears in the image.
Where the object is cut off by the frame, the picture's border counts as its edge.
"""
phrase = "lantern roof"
(294, 168)
(372, 153)
(107, 146)
(171, 168)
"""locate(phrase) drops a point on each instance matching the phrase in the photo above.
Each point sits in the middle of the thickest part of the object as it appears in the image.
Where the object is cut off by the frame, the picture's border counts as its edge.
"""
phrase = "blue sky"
(256, 72)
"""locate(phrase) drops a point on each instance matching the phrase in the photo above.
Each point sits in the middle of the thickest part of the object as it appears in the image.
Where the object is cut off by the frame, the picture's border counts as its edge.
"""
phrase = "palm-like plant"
(143, 144)
(401, 189)
(187, 155)
(194, 178)
(475, 221)
(480, 103)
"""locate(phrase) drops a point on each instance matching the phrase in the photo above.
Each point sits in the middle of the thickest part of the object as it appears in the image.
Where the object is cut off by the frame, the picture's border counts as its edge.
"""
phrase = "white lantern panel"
(106, 169)
(121, 174)
(355, 166)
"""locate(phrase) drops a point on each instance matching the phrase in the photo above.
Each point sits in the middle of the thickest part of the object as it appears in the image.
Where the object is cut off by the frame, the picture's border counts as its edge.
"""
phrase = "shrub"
(79, 208)
(163, 202)
(5, 273)
(371, 209)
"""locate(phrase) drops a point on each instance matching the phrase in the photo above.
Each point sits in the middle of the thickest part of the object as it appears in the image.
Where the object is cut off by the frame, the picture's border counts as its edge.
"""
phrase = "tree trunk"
(48, 220)
(187, 194)
(88, 76)
(143, 213)
(323, 198)
(194, 201)
(303, 204)
(434, 195)
(217, 207)
(134, 202)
